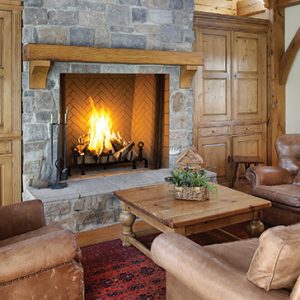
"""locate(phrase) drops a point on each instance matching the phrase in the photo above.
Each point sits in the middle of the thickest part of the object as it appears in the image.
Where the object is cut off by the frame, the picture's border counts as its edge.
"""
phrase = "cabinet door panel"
(215, 104)
(249, 79)
(6, 186)
(5, 72)
(215, 98)
(215, 47)
(216, 153)
(249, 145)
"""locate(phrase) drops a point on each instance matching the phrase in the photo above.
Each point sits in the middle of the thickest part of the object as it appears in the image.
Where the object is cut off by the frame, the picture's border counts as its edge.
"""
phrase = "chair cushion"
(276, 262)
(286, 194)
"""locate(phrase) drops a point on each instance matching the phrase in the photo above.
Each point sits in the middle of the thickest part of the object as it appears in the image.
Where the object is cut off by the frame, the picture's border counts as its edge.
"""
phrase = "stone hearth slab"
(89, 203)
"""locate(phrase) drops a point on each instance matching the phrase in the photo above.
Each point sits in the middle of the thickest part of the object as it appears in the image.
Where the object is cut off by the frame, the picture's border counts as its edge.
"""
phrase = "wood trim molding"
(288, 58)
(287, 3)
(11, 4)
(39, 54)
(225, 22)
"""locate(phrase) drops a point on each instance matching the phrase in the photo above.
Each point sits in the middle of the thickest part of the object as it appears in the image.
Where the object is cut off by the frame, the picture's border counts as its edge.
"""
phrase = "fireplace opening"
(115, 120)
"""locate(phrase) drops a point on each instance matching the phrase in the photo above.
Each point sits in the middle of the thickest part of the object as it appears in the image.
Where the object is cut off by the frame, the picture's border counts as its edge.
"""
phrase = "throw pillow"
(276, 262)
(295, 295)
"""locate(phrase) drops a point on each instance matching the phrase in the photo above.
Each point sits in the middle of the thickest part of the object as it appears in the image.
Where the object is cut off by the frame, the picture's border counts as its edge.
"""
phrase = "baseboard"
(111, 232)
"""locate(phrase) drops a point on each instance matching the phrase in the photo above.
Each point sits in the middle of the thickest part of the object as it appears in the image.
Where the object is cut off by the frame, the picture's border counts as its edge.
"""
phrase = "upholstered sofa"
(281, 184)
(213, 272)
(37, 261)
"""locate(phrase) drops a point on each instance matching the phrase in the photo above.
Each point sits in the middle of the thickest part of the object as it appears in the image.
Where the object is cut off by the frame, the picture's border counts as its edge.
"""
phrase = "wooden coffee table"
(157, 206)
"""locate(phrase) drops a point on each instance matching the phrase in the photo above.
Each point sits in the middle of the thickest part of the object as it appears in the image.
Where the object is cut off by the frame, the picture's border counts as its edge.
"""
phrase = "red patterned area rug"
(114, 272)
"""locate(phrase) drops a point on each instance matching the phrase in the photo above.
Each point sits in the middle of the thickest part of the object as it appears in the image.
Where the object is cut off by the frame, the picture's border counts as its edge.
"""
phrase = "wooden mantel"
(40, 57)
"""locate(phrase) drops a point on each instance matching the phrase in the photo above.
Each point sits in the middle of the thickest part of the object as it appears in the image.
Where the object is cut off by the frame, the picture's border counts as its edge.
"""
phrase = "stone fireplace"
(150, 25)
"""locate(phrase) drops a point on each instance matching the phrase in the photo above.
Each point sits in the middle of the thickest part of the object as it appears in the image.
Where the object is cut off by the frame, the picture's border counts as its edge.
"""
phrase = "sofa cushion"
(286, 194)
(276, 262)
(237, 254)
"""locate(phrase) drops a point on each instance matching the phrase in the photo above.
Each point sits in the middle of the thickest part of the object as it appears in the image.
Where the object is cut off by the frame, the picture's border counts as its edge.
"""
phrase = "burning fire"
(100, 132)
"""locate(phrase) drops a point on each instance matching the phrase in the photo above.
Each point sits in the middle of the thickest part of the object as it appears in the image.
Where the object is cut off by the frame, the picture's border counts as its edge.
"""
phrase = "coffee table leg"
(255, 228)
(126, 219)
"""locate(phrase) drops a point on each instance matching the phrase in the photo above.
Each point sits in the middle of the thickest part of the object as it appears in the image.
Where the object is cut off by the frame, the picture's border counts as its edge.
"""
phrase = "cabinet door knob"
(213, 131)
(228, 158)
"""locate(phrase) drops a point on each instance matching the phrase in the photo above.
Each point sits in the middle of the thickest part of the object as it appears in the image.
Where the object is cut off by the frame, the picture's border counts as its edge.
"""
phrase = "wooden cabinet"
(10, 102)
(216, 152)
(230, 91)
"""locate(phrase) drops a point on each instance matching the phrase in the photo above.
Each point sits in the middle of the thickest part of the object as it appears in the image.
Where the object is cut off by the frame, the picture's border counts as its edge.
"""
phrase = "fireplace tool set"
(60, 163)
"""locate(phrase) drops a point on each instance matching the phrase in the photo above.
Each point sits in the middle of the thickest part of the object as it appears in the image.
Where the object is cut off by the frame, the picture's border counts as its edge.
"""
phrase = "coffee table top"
(158, 201)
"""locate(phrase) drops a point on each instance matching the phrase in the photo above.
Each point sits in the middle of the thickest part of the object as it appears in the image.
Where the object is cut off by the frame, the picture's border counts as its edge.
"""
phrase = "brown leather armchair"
(209, 273)
(38, 261)
(280, 185)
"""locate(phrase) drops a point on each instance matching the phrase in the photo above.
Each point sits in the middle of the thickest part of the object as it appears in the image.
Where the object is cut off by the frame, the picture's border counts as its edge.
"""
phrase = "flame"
(100, 131)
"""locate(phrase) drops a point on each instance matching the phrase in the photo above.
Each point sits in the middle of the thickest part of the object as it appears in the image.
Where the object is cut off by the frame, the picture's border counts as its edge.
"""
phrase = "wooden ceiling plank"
(250, 7)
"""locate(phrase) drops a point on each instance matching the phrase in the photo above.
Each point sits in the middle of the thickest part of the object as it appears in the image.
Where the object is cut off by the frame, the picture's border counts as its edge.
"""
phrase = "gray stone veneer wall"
(143, 24)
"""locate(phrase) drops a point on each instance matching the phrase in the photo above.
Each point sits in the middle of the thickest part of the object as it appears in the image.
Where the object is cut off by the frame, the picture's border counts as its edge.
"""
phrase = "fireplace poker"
(65, 171)
(57, 184)
(51, 145)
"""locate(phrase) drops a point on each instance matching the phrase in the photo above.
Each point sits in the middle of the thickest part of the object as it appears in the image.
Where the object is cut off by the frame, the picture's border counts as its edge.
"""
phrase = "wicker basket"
(191, 193)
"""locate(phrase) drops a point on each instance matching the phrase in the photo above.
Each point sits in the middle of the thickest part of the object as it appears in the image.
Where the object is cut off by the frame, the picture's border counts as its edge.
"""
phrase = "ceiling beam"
(250, 7)
(286, 3)
(288, 58)
(276, 98)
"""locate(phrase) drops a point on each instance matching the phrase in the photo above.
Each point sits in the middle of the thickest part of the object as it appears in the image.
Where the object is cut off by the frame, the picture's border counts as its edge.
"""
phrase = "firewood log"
(117, 144)
(120, 155)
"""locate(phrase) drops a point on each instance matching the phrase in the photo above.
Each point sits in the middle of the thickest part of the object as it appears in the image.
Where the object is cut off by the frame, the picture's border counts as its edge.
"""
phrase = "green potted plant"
(191, 185)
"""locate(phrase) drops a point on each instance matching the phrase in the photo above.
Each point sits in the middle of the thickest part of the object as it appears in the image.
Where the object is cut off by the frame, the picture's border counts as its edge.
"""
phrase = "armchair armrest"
(268, 175)
(201, 272)
(35, 254)
(21, 217)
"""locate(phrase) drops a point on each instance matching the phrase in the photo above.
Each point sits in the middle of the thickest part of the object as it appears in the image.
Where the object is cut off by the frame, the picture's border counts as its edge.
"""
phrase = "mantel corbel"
(38, 73)
(288, 58)
(40, 57)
